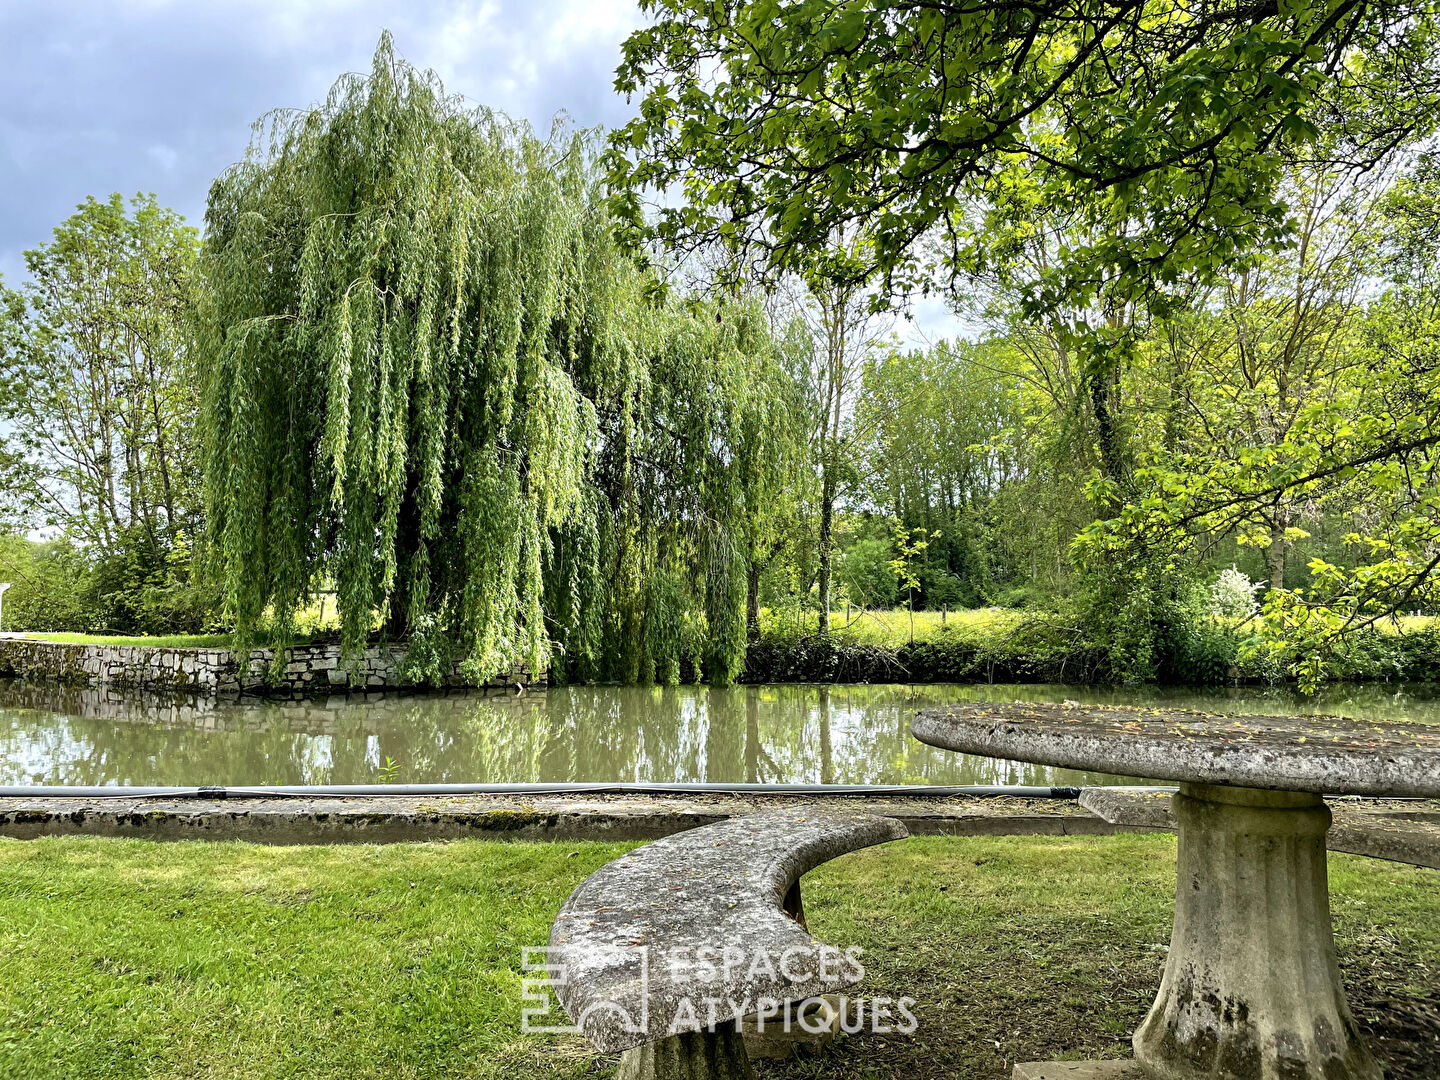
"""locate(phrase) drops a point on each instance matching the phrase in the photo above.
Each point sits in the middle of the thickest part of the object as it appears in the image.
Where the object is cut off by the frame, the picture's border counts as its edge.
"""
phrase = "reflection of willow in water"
(766, 734)
(861, 735)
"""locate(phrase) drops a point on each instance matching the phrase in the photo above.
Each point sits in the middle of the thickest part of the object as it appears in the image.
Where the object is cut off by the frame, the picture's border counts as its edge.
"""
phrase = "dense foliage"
(97, 402)
(1153, 130)
(1311, 420)
(435, 382)
(1166, 213)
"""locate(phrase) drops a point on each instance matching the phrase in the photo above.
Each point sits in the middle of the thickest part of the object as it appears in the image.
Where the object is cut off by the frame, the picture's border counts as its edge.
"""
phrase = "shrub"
(1039, 648)
(1232, 596)
(46, 584)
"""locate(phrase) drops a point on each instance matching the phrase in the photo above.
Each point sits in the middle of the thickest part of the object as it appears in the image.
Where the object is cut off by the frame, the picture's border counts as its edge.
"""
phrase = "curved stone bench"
(661, 953)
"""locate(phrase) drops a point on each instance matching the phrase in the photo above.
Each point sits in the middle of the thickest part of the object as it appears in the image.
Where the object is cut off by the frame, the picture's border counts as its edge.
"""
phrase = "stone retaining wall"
(308, 668)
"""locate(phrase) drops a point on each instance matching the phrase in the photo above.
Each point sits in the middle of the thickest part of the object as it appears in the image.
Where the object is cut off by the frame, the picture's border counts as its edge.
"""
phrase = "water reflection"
(788, 733)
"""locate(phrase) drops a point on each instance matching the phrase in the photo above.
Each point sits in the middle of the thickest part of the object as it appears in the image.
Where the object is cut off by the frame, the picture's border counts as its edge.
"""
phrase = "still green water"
(846, 734)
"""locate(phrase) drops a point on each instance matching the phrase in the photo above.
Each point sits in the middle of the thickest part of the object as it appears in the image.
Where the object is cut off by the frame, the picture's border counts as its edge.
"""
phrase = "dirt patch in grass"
(1071, 991)
(1082, 999)
(1041, 949)
(1395, 996)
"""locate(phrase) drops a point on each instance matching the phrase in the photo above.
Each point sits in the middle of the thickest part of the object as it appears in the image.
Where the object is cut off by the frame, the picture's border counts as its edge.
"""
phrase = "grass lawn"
(882, 627)
(172, 641)
(892, 627)
(207, 960)
(161, 641)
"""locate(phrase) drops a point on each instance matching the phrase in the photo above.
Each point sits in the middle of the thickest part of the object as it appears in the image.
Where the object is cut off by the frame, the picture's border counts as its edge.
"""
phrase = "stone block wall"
(308, 668)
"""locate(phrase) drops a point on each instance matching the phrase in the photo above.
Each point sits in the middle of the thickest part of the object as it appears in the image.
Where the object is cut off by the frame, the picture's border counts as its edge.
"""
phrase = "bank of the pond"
(303, 669)
(322, 819)
(1014, 648)
(135, 959)
(989, 645)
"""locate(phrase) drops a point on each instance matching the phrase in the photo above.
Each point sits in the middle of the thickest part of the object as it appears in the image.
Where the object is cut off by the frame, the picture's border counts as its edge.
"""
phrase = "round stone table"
(1251, 988)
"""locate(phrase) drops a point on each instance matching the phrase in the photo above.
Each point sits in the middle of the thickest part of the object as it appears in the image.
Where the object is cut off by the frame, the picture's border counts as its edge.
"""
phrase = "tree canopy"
(97, 381)
(436, 383)
(1153, 130)
(1095, 171)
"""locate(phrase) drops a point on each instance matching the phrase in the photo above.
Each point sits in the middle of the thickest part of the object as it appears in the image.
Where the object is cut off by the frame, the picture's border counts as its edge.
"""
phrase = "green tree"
(435, 381)
(864, 570)
(1284, 334)
(940, 446)
(909, 544)
(845, 331)
(48, 582)
(1356, 444)
(97, 382)
(1156, 129)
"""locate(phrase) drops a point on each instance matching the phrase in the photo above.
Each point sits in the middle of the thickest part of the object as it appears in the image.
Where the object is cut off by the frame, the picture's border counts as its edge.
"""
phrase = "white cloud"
(164, 156)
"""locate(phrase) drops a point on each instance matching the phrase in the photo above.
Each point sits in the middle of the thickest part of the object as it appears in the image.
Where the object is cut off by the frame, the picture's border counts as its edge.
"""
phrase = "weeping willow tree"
(436, 383)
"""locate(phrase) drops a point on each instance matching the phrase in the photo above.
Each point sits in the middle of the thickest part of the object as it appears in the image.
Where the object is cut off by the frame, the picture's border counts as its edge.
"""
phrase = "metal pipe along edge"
(314, 791)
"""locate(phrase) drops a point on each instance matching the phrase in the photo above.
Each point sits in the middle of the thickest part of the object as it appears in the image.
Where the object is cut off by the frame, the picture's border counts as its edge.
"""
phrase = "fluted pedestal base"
(700, 1055)
(1251, 989)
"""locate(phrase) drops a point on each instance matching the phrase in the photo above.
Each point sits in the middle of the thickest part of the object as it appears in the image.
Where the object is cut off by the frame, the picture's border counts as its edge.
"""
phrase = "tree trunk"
(827, 515)
(752, 601)
(1108, 434)
(1275, 553)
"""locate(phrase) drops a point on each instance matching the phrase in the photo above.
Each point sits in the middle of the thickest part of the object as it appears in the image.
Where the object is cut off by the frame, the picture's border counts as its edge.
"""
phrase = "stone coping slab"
(1326, 755)
(687, 933)
(384, 819)
(1405, 831)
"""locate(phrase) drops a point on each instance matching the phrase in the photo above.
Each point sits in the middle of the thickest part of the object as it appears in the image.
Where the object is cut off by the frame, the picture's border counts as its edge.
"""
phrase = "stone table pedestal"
(1251, 987)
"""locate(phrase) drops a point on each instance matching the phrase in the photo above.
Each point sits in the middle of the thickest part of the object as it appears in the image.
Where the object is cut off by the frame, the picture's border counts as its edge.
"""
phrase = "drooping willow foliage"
(436, 383)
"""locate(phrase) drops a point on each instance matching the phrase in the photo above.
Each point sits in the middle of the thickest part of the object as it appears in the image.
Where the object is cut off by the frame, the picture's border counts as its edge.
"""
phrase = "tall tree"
(97, 380)
(938, 448)
(1353, 436)
(845, 332)
(1289, 333)
(435, 380)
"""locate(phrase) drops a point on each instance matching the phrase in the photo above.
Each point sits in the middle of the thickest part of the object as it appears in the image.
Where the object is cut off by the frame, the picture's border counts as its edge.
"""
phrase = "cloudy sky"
(159, 95)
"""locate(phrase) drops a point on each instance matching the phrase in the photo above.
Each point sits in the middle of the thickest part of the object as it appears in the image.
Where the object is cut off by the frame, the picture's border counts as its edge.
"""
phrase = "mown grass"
(172, 641)
(890, 627)
(134, 959)
(169, 641)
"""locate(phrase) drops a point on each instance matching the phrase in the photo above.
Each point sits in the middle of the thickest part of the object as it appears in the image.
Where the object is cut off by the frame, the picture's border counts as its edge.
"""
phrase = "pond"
(846, 734)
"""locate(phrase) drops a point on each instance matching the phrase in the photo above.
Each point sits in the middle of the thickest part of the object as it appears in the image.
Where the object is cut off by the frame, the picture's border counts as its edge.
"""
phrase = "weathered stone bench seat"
(1405, 831)
(661, 953)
